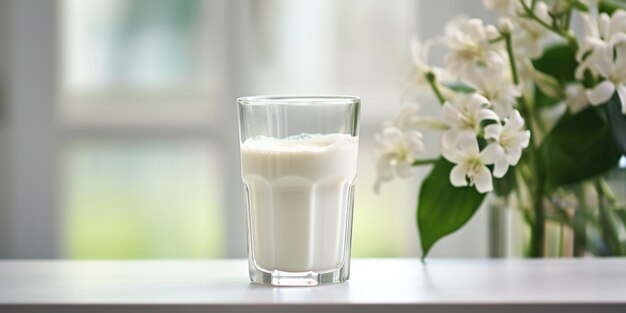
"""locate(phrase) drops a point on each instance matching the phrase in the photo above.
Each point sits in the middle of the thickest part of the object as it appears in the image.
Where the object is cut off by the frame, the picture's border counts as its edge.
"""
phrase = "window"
(140, 164)
(138, 157)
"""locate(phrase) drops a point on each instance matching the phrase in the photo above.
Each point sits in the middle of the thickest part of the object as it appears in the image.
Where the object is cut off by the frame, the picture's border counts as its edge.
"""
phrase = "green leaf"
(579, 6)
(558, 61)
(503, 186)
(442, 208)
(606, 6)
(621, 213)
(578, 148)
(617, 121)
(459, 87)
(544, 101)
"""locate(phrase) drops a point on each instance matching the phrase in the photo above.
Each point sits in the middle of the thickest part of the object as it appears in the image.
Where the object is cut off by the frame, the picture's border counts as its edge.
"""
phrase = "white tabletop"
(389, 285)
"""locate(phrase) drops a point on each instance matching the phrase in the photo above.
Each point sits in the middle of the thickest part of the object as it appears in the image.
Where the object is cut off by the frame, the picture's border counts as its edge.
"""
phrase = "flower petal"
(491, 153)
(513, 155)
(617, 40)
(618, 22)
(475, 28)
(602, 58)
(493, 131)
(403, 169)
(486, 114)
(419, 53)
(576, 97)
(428, 122)
(482, 180)
(450, 114)
(449, 137)
(383, 167)
(405, 115)
(453, 155)
(502, 106)
(542, 11)
(619, 63)
(413, 134)
(468, 143)
(415, 147)
(393, 135)
(500, 167)
(601, 93)
(413, 140)
(520, 139)
(457, 175)
(603, 25)
(591, 27)
(515, 121)
(476, 101)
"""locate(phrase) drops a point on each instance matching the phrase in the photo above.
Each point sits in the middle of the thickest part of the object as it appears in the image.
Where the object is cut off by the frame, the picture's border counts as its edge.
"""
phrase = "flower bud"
(505, 25)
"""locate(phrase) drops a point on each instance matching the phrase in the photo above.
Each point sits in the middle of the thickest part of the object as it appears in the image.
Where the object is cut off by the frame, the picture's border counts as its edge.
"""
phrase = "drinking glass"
(298, 164)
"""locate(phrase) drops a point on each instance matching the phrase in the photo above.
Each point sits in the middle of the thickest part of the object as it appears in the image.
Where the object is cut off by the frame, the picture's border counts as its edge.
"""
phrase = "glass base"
(310, 278)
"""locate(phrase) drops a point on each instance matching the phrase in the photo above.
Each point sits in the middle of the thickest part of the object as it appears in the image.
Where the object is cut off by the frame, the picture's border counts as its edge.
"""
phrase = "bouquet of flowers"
(528, 108)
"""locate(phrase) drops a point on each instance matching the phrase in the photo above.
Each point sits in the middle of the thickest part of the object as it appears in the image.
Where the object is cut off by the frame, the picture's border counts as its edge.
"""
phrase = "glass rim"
(298, 99)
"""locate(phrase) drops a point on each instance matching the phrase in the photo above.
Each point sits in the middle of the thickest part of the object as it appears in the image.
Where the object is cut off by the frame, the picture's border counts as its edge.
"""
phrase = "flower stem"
(537, 234)
(424, 162)
(606, 190)
(579, 222)
(565, 33)
(509, 50)
(568, 19)
(535, 182)
(496, 40)
(609, 233)
(432, 80)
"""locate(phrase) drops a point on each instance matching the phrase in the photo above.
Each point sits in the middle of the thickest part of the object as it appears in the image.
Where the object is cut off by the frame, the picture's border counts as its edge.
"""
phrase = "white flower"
(397, 151)
(498, 88)
(505, 25)
(419, 56)
(590, 2)
(599, 33)
(468, 41)
(463, 117)
(603, 52)
(602, 92)
(510, 139)
(409, 118)
(607, 28)
(502, 7)
(470, 168)
(529, 34)
(576, 97)
(532, 78)
(420, 85)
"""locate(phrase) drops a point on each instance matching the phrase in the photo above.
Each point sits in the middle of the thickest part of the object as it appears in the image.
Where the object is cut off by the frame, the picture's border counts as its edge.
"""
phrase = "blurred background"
(118, 126)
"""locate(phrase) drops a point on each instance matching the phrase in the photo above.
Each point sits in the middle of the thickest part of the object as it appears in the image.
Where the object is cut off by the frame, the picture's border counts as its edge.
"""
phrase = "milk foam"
(303, 143)
(299, 190)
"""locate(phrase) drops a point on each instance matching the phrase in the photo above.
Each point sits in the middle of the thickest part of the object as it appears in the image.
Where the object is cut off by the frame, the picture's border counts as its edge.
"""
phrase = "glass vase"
(584, 219)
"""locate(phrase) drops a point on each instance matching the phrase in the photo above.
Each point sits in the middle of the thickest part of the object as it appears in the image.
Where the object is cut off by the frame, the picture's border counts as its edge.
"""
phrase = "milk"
(299, 193)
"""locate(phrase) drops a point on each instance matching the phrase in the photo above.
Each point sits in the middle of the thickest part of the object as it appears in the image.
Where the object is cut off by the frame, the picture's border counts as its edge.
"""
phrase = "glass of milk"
(298, 164)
